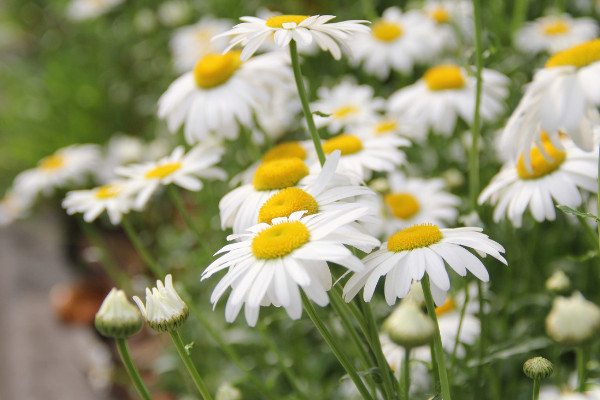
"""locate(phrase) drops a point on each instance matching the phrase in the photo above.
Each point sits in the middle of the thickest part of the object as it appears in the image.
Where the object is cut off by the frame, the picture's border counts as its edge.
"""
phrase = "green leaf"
(321, 114)
(522, 348)
(189, 347)
(584, 257)
(569, 210)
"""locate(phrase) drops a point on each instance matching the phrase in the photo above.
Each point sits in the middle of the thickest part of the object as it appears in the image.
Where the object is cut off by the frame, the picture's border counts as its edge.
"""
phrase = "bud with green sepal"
(537, 368)
(164, 310)
(117, 317)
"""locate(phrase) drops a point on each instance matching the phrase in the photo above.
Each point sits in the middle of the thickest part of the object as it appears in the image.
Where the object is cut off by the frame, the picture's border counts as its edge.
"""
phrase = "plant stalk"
(132, 370)
(185, 357)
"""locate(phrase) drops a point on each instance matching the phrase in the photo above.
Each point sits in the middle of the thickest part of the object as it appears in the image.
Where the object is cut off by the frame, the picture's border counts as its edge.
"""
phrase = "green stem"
(598, 196)
(406, 374)
(369, 9)
(519, 14)
(178, 201)
(141, 249)
(536, 388)
(132, 370)
(334, 345)
(437, 340)
(483, 329)
(190, 365)
(474, 155)
(304, 100)
(457, 339)
(581, 368)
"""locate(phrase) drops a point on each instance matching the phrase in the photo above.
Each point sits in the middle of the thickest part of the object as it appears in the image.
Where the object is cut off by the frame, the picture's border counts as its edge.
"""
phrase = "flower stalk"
(131, 369)
(190, 365)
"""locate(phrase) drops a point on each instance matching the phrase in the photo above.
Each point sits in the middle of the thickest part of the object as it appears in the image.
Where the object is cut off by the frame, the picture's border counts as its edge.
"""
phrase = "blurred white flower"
(78, 10)
(573, 320)
(14, 206)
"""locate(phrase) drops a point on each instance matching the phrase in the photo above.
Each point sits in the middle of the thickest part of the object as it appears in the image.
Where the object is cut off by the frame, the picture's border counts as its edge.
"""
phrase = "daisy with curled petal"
(554, 33)
(446, 92)
(563, 96)
(410, 253)
(553, 175)
(178, 168)
(222, 92)
(303, 29)
(270, 264)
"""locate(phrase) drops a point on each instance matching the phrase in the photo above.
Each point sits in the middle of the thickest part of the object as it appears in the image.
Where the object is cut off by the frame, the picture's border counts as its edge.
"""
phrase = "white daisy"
(348, 105)
(417, 200)
(412, 252)
(397, 42)
(392, 125)
(303, 29)
(13, 206)
(178, 168)
(69, 165)
(554, 393)
(270, 264)
(456, 14)
(79, 10)
(555, 33)
(564, 97)
(278, 116)
(190, 43)
(222, 92)
(446, 92)
(552, 177)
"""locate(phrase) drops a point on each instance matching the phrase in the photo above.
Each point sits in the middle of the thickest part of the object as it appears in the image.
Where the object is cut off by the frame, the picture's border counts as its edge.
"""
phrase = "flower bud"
(164, 310)
(117, 317)
(228, 392)
(538, 368)
(408, 326)
(558, 283)
(573, 320)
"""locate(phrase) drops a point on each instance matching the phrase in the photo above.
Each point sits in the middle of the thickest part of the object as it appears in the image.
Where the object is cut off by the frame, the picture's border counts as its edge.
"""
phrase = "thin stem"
(437, 340)
(368, 8)
(190, 365)
(132, 370)
(598, 195)
(342, 358)
(536, 388)
(483, 329)
(406, 374)
(474, 155)
(178, 201)
(519, 14)
(581, 368)
(141, 249)
(457, 339)
(304, 100)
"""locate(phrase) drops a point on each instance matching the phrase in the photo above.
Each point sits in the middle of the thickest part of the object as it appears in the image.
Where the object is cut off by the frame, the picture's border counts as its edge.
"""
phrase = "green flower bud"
(538, 368)
(408, 326)
(117, 317)
(164, 310)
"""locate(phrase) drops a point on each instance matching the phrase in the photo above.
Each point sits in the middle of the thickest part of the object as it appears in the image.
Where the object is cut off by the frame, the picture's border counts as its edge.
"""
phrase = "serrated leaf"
(581, 214)
(321, 114)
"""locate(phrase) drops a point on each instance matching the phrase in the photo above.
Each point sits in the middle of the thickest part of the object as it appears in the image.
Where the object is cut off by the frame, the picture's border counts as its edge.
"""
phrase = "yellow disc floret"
(448, 306)
(107, 191)
(278, 20)
(577, 56)
(541, 164)
(285, 150)
(280, 240)
(555, 28)
(386, 31)
(52, 162)
(444, 77)
(347, 144)
(162, 171)
(345, 111)
(439, 15)
(414, 237)
(386, 126)
(402, 205)
(279, 174)
(285, 202)
(215, 69)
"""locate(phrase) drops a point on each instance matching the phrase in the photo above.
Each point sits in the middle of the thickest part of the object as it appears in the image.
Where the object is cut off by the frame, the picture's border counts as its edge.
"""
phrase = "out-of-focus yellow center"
(540, 164)
(278, 20)
(439, 15)
(444, 77)
(215, 69)
(347, 144)
(285, 202)
(279, 174)
(386, 31)
(577, 56)
(414, 237)
(107, 191)
(346, 110)
(402, 205)
(555, 28)
(386, 126)
(445, 308)
(284, 150)
(162, 171)
(52, 162)
(280, 240)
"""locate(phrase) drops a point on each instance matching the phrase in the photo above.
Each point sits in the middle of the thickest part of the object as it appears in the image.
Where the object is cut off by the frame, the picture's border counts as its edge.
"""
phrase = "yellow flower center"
(347, 144)
(577, 56)
(414, 237)
(279, 174)
(285, 150)
(445, 308)
(386, 31)
(384, 127)
(215, 69)
(555, 28)
(285, 202)
(162, 171)
(444, 77)
(280, 240)
(402, 205)
(540, 165)
(439, 15)
(278, 20)
(344, 111)
(52, 162)
(107, 191)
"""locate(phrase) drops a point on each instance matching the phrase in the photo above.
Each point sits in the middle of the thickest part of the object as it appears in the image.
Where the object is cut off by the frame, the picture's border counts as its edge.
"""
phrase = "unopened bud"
(573, 320)
(228, 392)
(117, 317)
(538, 368)
(164, 310)
(558, 283)
(408, 326)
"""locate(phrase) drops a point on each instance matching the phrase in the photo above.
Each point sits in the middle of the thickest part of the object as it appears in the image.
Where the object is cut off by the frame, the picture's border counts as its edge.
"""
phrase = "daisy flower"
(564, 97)
(554, 33)
(303, 29)
(347, 104)
(69, 165)
(13, 206)
(79, 10)
(178, 168)
(273, 261)
(416, 200)
(446, 92)
(455, 14)
(221, 93)
(554, 393)
(397, 42)
(553, 175)
(410, 253)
